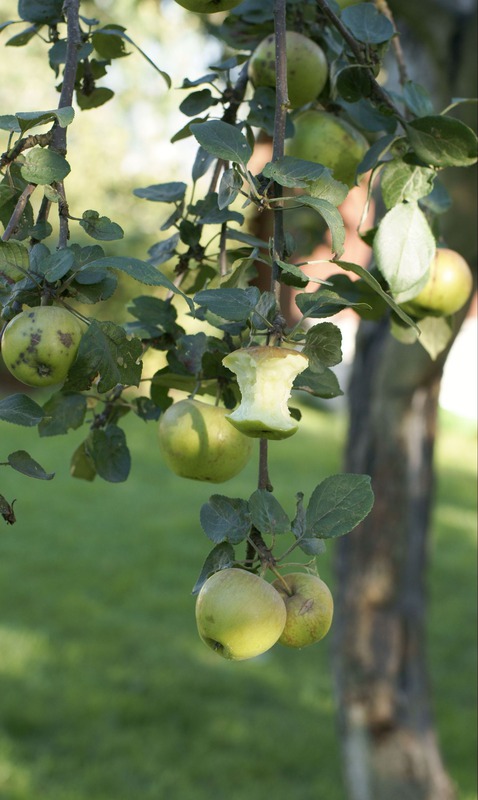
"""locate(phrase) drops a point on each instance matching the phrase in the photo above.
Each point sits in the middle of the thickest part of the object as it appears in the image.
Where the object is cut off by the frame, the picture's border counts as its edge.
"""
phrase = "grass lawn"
(106, 692)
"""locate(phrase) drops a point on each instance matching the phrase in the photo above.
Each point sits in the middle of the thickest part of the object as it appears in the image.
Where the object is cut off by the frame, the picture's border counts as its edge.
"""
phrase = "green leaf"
(439, 200)
(105, 351)
(338, 504)
(322, 303)
(367, 24)
(222, 141)
(332, 217)
(171, 192)
(404, 247)
(225, 519)
(22, 462)
(376, 153)
(299, 173)
(232, 304)
(108, 44)
(9, 122)
(19, 409)
(56, 265)
(374, 284)
(197, 102)
(29, 119)
(82, 465)
(44, 166)
(209, 213)
(14, 260)
(222, 556)
(323, 346)
(98, 97)
(353, 82)
(417, 99)
(312, 546)
(139, 270)
(436, 334)
(401, 182)
(62, 413)
(323, 384)
(46, 12)
(22, 38)
(202, 162)
(100, 228)
(118, 30)
(267, 514)
(110, 454)
(163, 251)
(443, 142)
(292, 275)
(229, 187)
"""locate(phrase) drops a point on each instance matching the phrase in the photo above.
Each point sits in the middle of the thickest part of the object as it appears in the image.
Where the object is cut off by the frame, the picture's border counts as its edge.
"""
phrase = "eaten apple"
(265, 376)
(307, 67)
(310, 607)
(328, 140)
(239, 615)
(449, 286)
(198, 442)
(208, 6)
(40, 344)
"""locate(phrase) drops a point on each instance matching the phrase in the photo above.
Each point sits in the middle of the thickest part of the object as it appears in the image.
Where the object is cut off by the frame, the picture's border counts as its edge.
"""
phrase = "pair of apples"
(240, 615)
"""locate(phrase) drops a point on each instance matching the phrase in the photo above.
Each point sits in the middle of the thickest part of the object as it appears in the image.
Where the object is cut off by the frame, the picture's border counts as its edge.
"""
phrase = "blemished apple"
(449, 286)
(40, 344)
(307, 67)
(238, 614)
(208, 6)
(309, 606)
(198, 442)
(265, 376)
(328, 140)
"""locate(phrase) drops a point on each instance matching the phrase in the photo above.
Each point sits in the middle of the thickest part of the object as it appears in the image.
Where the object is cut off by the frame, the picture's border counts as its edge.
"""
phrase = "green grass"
(106, 692)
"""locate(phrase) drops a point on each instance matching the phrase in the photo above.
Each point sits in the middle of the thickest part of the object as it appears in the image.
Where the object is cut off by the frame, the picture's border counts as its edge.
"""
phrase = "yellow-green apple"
(198, 442)
(238, 614)
(208, 6)
(40, 344)
(307, 67)
(328, 140)
(449, 286)
(265, 376)
(309, 606)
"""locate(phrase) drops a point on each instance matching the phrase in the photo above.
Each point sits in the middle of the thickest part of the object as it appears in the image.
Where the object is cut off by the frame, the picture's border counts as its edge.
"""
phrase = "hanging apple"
(307, 67)
(449, 286)
(265, 376)
(309, 606)
(198, 442)
(40, 344)
(238, 614)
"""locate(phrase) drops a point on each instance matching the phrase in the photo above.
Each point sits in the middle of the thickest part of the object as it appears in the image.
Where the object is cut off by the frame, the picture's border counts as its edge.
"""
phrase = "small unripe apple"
(238, 614)
(198, 442)
(307, 67)
(39, 345)
(328, 140)
(208, 6)
(265, 376)
(449, 286)
(309, 606)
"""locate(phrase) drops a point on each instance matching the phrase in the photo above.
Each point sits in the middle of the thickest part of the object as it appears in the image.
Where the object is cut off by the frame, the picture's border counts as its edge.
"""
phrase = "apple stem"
(282, 580)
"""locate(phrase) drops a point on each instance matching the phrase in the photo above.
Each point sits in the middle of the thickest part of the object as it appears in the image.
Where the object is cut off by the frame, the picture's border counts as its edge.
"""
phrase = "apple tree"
(247, 357)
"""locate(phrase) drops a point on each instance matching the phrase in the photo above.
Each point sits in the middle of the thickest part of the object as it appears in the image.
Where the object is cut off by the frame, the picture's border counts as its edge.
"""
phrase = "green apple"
(238, 614)
(328, 140)
(307, 67)
(309, 606)
(198, 442)
(265, 376)
(40, 344)
(208, 6)
(449, 286)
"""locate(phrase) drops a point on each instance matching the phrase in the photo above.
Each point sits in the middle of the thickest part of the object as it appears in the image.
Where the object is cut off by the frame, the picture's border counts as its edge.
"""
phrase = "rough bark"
(389, 742)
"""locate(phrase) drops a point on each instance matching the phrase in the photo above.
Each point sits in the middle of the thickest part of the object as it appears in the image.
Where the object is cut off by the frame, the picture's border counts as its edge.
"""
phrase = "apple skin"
(328, 140)
(198, 442)
(238, 614)
(40, 344)
(310, 609)
(265, 376)
(307, 67)
(208, 6)
(448, 287)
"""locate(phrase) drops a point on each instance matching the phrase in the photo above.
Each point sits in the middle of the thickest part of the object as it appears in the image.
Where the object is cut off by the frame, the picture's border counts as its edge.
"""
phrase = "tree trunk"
(390, 747)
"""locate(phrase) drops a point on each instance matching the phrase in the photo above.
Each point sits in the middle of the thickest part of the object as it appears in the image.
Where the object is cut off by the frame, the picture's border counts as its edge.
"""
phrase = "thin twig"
(18, 211)
(282, 104)
(40, 139)
(384, 8)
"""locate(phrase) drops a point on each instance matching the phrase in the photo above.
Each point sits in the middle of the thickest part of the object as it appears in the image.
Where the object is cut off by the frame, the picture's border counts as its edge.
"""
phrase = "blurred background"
(106, 692)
